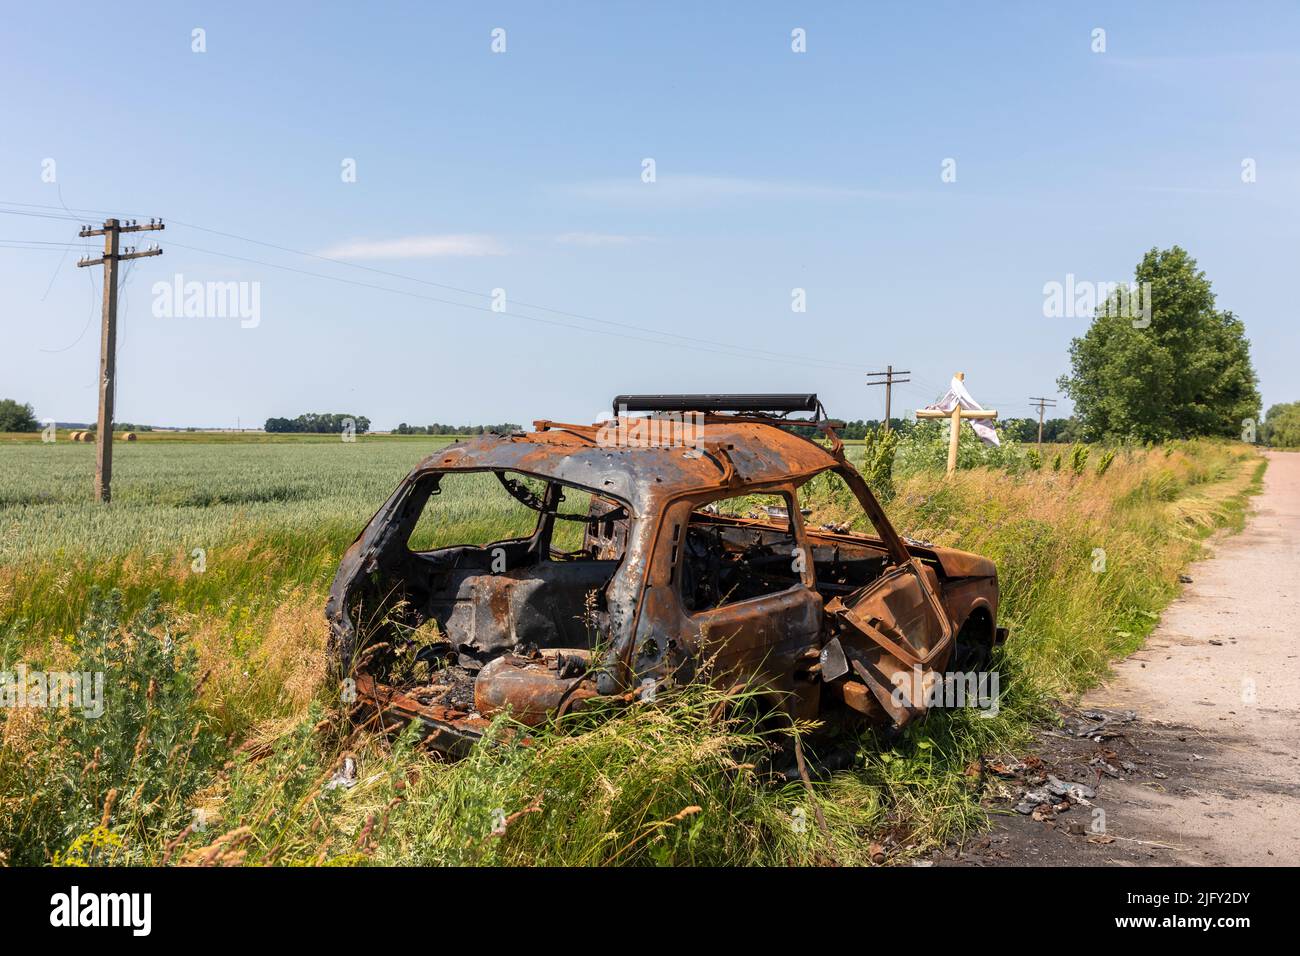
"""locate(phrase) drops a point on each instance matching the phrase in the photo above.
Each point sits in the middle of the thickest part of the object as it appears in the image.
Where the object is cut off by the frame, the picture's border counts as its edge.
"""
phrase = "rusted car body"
(665, 588)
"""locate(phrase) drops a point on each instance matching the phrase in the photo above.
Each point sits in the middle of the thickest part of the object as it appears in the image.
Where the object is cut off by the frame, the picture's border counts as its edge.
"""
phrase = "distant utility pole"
(1041, 403)
(111, 230)
(888, 381)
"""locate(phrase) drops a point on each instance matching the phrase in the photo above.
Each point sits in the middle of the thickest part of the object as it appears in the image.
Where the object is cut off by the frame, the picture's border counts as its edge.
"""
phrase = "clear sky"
(523, 171)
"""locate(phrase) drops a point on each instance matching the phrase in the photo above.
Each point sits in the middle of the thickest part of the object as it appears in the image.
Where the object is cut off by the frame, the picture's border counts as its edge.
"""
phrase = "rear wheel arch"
(974, 641)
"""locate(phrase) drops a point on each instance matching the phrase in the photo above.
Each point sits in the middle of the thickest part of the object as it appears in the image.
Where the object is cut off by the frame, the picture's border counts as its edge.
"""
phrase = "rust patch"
(537, 632)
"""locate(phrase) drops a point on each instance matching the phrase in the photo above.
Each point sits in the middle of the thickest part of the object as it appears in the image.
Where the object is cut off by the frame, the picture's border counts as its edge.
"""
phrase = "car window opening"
(737, 549)
(498, 560)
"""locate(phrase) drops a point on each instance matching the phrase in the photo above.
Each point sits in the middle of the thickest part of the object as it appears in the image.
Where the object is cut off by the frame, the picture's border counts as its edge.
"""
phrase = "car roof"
(645, 461)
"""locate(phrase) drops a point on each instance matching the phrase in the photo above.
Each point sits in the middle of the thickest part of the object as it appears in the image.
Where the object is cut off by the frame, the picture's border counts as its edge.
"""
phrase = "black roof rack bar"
(752, 403)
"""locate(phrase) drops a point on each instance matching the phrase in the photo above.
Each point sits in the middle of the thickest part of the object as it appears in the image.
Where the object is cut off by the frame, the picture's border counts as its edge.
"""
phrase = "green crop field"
(224, 710)
(176, 493)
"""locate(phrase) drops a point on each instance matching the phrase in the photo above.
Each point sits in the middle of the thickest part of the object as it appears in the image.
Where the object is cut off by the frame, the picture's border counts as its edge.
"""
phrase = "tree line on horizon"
(329, 423)
(1184, 371)
(437, 429)
(1013, 429)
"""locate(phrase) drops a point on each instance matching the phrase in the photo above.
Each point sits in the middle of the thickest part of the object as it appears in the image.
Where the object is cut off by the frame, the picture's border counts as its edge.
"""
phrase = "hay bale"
(87, 436)
(74, 436)
(128, 436)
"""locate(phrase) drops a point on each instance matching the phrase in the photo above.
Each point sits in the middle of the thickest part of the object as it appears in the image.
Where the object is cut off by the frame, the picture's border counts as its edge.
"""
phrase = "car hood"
(959, 564)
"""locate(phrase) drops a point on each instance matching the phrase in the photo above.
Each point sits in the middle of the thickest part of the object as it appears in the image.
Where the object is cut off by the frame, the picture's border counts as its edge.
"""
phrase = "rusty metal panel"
(516, 642)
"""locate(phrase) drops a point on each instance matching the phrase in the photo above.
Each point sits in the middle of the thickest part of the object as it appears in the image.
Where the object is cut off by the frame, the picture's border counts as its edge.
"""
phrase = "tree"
(858, 430)
(316, 423)
(17, 418)
(1026, 429)
(1185, 373)
(1282, 426)
(437, 428)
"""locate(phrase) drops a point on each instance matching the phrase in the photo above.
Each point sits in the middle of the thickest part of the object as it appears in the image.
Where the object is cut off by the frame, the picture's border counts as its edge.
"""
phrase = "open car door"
(893, 633)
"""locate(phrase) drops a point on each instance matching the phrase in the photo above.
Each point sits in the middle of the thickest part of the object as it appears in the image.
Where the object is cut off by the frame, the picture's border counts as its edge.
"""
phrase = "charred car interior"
(643, 552)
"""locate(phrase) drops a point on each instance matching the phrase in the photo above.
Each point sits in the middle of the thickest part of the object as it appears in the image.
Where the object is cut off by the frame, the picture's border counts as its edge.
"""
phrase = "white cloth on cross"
(957, 395)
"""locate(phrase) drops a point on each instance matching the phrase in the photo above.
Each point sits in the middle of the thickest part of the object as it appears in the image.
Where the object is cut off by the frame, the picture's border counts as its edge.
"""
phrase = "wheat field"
(225, 731)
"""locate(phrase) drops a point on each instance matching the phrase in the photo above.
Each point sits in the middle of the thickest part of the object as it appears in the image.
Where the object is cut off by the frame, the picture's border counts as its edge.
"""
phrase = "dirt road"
(1209, 771)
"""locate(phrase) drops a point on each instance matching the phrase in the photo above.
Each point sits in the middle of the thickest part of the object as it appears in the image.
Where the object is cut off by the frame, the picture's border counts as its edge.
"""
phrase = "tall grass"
(130, 771)
(1085, 561)
(1087, 558)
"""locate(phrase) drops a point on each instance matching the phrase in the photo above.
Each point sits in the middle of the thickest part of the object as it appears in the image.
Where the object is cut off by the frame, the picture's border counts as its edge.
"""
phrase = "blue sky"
(522, 171)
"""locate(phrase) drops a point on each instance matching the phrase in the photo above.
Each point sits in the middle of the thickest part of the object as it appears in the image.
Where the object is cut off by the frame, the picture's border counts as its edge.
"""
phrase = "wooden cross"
(956, 415)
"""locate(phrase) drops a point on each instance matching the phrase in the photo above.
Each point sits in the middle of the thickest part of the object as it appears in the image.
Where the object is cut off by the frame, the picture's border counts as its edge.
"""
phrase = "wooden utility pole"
(888, 381)
(1041, 403)
(111, 231)
(956, 415)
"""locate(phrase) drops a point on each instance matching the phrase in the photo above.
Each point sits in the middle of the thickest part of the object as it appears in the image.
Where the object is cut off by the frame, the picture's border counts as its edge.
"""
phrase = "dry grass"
(271, 665)
(1085, 561)
(626, 791)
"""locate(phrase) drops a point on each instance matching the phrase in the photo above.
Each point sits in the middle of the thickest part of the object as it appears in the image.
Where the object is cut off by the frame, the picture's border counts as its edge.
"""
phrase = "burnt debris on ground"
(1064, 803)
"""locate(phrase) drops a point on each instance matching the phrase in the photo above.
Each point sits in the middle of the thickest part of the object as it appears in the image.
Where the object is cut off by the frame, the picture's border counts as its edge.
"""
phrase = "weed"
(242, 767)
(130, 769)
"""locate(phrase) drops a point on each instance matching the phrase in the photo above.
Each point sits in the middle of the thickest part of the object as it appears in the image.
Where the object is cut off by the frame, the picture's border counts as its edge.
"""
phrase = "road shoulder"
(1196, 758)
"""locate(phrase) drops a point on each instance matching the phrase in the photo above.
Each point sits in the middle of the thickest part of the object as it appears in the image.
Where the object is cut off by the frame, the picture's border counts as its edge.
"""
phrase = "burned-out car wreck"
(655, 550)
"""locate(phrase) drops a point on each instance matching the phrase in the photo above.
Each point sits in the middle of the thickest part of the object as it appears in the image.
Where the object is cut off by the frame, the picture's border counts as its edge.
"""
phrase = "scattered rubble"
(346, 777)
(1058, 807)
(1044, 795)
(1095, 724)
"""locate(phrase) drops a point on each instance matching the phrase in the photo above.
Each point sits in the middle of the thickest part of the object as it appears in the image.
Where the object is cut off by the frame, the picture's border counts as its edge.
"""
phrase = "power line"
(724, 348)
(64, 207)
(659, 337)
(38, 215)
(29, 247)
(728, 347)
(480, 308)
(42, 243)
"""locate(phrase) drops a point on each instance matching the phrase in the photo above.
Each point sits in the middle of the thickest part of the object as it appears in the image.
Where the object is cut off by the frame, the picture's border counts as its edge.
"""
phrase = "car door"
(893, 633)
(756, 620)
